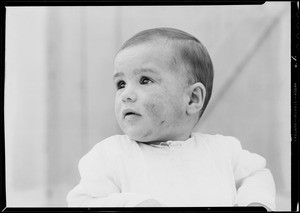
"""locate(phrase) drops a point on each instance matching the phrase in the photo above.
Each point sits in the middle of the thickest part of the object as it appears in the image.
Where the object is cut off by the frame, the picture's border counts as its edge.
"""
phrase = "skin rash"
(156, 111)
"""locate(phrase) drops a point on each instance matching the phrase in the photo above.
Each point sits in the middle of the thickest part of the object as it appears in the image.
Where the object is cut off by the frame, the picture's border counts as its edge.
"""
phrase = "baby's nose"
(129, 95)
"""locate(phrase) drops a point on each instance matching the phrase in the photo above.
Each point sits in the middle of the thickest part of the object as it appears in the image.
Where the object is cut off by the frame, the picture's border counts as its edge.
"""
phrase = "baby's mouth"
(127, 113)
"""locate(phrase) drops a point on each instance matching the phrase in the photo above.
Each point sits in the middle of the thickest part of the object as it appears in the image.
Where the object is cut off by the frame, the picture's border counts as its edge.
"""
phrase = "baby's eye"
(145, 80)
(120, 84)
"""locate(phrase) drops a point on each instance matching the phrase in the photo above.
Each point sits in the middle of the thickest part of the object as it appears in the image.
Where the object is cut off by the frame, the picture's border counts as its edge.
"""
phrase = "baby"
(164, 80)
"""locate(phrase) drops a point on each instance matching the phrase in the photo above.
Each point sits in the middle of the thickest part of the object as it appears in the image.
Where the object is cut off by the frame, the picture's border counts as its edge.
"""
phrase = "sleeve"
(98, 187)
(254, 182)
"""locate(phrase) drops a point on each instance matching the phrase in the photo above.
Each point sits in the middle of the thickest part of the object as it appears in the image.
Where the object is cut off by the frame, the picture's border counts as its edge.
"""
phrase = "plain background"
(59, 93)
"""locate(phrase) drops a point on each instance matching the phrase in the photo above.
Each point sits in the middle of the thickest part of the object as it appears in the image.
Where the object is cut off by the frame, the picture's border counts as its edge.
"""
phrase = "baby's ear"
(197, 93)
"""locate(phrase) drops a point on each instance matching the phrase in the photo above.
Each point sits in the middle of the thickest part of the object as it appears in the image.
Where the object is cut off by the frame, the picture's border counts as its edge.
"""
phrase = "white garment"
(205, 170)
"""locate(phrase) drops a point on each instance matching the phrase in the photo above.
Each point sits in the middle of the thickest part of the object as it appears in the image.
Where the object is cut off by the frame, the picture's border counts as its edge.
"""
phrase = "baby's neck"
(158, 142)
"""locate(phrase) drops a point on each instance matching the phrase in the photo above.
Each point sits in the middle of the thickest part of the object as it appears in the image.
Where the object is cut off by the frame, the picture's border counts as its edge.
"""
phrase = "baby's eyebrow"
(118, 74)
(144, 70)
(135, 72)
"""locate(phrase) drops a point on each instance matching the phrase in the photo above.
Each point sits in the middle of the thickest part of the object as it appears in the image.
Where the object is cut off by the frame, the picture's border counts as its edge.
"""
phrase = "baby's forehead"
(157, 51)
(148, 51)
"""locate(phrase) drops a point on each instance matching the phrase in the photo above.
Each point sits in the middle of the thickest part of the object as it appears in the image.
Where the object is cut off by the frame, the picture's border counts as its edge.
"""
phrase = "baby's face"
(151, 96)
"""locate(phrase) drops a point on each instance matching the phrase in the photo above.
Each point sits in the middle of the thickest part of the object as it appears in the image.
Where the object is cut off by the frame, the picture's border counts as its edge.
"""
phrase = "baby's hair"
(187, 49)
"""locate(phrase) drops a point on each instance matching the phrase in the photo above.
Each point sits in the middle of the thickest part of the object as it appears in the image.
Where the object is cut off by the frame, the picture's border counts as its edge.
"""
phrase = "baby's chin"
(145, 137)
(139, 138)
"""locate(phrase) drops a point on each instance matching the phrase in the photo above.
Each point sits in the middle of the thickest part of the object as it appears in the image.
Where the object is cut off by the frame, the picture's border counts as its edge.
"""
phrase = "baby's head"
(164, 80)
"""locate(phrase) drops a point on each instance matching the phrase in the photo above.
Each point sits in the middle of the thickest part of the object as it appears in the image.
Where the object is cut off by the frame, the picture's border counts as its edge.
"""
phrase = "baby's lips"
(128, 112)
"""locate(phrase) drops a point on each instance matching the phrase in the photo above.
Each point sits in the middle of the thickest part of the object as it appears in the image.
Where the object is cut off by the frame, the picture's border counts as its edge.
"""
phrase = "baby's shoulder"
(218, 141)
(220, 146)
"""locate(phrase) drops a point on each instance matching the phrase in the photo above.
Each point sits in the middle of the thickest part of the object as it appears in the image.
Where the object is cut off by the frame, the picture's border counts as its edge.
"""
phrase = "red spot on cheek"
(147, 134)
(153, 109)
(156, 112)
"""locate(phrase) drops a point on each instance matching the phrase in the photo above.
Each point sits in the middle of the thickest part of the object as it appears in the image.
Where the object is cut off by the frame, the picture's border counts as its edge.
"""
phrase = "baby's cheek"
(155, 111)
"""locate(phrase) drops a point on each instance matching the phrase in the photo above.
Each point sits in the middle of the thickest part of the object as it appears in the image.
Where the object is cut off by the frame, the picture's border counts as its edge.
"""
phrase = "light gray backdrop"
(59, 94)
